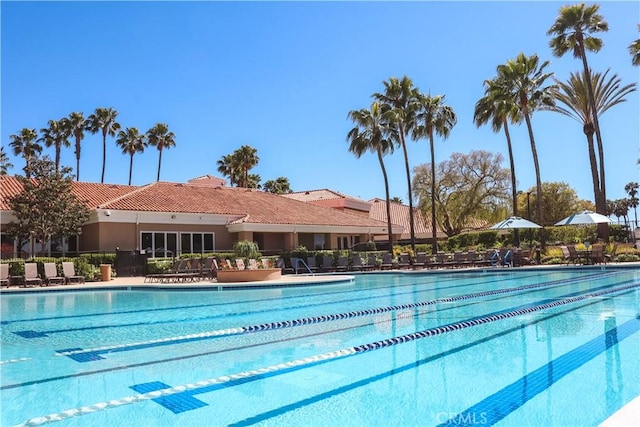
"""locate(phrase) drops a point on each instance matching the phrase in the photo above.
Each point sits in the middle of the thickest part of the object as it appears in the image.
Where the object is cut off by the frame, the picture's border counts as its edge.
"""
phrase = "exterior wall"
(90, 238)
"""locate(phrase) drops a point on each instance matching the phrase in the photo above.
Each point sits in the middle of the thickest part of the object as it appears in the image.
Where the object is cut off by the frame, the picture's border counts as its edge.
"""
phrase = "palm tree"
(228, 167)
(5, 164)
(433, 117)
(76, 125)
(572, 30)
(634, 50)
(632, 190)
(246, 158)
(574, 95)
(398, 103)
(160, 137)
(131, 141)
(522, 81)
(495, 108)
(103, 119)
(373, 133)
(25, 143)
(280, 185)
(55, 135)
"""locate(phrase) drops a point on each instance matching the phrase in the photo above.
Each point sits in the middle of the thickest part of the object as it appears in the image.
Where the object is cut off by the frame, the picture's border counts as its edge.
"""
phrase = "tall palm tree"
(76, 125)
(523, 80)
(131, 141)
(227, 167)
(495, 108)
(634, 50)
(373, 133)
(25, 143)
(57, 136)
(632, 190)
(246, 158)
(103, 119)
(5, 164)
(160, 137)
(574, 96)
(573, 31)
(433, 117)
(398, 103)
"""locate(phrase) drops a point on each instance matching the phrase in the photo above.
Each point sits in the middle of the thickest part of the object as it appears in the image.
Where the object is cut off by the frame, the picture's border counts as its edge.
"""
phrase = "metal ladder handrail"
(300, 260)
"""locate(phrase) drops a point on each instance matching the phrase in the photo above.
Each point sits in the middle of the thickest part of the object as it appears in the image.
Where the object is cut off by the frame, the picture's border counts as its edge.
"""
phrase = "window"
(165, 244)
(318, 241)
(197, 243)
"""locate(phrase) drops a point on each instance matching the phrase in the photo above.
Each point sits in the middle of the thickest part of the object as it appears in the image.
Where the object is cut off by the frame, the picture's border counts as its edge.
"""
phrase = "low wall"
(228, 276)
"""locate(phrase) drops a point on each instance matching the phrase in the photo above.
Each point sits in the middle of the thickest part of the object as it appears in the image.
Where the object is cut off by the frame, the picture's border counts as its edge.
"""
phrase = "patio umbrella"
(513, 223)
(584, 218)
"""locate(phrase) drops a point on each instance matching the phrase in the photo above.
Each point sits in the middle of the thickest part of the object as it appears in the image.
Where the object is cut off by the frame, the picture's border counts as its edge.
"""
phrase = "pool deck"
(627, 416)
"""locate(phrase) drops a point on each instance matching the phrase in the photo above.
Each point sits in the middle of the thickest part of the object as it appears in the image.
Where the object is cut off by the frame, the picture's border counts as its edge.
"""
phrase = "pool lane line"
(240, 330)
(21, 359)
(285, 367)
(382, 287)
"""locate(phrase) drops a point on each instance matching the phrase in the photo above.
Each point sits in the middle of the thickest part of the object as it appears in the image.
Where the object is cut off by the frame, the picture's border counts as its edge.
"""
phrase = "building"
(166, 218)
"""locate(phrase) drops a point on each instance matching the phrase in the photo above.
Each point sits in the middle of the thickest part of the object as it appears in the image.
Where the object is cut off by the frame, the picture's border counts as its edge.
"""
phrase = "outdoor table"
(584, 256)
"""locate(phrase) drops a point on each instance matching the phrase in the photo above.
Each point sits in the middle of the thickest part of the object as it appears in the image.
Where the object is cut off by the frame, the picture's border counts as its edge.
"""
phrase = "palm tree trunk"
(406, 165)
(104, 153)
(588, 131)
(514, 190)
(159, 162)
(57, 157)
(388, 199)
(130, 166)
(77, 159)
(534, 152)
(433, 196)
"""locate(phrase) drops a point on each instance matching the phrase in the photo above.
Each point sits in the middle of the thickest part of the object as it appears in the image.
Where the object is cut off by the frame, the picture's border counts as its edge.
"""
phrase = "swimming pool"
(507, 347)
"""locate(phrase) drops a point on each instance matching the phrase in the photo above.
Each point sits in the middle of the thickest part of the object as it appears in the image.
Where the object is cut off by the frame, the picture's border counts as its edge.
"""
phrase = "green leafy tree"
(573, 31)
(470, 187)
(495, 107)
(5, 164)
(634, 50)
(573, 101)
(25, 143)
(280, 185)
(246, 158)
(433, 117)
(396, 200)
(55, 135)
(558, 198)
(76, 124)
(523, 82)
(160, 137)
(46, 206)
(373, 133)
(398, 103)
(103, 120)
(131, 141)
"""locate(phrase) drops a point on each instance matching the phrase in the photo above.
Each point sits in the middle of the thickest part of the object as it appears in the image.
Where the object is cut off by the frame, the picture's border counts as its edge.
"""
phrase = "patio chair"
(311, 263)
(597, 254)
(4, 275)
(612, 256)
(343, 264)
(507, 259)
(421, 260)
(372, 263)
(495, 258)
(267, 263)
(404, 261)
(69, 273)
(439, 260)
(327, 263)
(240, 264)
(356, 263)
(31, 277)
(51, 275)
(574, 256)
(209, 268)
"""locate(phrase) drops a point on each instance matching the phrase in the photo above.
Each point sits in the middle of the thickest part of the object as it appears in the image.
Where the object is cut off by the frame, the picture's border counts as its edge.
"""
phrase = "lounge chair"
(495, 259)
(387, 262)
(4, 275)
(253, 264)
(404, 261)
(343, 264)
(612, 256)
(421, 260)
(209, 268)
(311, 263)
(69, 273)
(327, 263)
(31, 277)
(507, 259)
(356, 263)
(51, 275)
(372, 263)
(266, 263)
(240, 264)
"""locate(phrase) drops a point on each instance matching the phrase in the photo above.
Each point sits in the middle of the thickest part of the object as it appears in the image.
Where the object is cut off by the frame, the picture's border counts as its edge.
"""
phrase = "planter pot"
(227, 276)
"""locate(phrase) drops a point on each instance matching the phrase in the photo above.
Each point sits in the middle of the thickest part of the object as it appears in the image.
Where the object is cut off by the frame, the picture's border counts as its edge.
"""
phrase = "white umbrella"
(584, 218)
(513, 223)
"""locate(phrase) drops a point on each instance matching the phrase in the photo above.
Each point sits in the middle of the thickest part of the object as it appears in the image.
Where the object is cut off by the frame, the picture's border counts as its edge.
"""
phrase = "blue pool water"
(508, 348)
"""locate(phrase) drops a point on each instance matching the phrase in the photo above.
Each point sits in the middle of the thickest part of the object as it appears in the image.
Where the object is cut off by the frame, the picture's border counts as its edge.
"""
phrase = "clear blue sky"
(282, 76)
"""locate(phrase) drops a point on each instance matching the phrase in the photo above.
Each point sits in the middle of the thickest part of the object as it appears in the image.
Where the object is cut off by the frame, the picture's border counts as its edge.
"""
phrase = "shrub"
(246, 249)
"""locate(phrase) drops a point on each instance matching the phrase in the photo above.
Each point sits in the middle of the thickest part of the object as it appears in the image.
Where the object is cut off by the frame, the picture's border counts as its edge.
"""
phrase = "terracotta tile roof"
(92, 194)
(331, 199)
(209, 180)
(400, 216)
(315, 195)
(254, 205)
